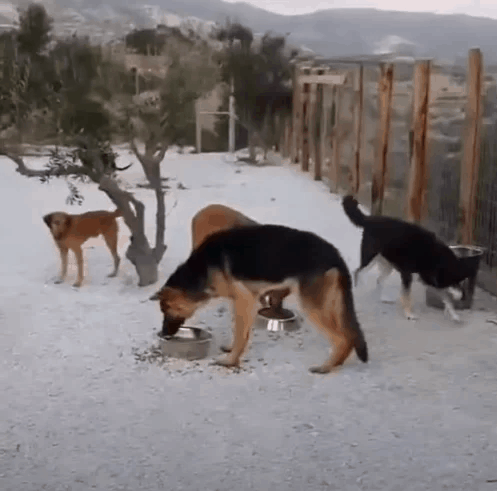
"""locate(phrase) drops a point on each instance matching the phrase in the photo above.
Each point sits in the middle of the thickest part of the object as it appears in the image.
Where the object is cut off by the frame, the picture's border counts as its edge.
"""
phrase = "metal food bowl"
(468, 285)
(277, 320)
(189, 343)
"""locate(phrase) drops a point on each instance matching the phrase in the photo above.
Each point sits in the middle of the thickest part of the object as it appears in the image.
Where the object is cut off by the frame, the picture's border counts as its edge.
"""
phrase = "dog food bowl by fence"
(277, 320)
(190, 343)
(468, 285)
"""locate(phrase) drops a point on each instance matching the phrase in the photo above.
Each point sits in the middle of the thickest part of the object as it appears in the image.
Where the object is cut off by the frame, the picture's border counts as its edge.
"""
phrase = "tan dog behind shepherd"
(72, 231)
(214, 218)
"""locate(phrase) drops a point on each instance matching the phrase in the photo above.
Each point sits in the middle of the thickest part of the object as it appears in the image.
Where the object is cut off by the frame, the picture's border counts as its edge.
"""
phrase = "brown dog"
(214, 218)
(72, 231)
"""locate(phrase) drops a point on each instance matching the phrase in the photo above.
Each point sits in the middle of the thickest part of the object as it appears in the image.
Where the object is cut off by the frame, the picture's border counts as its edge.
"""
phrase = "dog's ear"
(155, 296)
(48, 219)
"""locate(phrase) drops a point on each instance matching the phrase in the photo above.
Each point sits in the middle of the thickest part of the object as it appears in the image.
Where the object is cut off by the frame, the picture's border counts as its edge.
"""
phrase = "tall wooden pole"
(335, 162)
(198, 127)
(359, 109)
(385, 94)
(305, 99)
(231, 129)
(418, 173)
(296, 116)
(323, 136)
(318, 154)
(471, 157)
(312, 124)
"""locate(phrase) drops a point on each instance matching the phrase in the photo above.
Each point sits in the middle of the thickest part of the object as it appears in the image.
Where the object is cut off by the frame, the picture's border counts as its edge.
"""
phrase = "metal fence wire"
(486, 203)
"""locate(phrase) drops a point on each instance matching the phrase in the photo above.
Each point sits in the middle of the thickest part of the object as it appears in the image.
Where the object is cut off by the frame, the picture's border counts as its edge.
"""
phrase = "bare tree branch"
(123, 199)
(135, 150)
(23, 169)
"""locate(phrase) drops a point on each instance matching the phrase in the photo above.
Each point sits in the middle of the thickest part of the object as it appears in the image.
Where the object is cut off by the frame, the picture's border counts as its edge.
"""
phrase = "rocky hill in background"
(333, 32)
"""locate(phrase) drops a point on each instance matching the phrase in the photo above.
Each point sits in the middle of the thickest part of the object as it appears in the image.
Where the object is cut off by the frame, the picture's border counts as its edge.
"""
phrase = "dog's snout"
(171, 325)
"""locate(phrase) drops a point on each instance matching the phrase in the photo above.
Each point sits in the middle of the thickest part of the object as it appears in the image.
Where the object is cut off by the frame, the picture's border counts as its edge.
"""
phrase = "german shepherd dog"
(409, 249)
(214, 218)
(72, 231)
(244, 263)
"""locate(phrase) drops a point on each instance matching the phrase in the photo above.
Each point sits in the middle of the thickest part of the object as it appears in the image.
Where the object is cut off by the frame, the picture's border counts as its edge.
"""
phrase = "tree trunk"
(143, 259)
(160, 224)
(150, 161)
(139, 252)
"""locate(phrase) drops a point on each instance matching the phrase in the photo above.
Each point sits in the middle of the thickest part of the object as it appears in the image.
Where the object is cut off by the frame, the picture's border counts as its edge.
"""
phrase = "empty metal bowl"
(190, 343)
(274, 321)
(468, 285)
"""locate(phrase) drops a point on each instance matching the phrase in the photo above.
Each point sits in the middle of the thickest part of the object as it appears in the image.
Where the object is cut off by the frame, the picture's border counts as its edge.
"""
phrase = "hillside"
(333, 32)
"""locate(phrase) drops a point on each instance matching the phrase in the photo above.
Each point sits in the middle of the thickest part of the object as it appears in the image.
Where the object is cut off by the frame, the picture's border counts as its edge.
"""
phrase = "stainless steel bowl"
(285, 320)
(189, 343)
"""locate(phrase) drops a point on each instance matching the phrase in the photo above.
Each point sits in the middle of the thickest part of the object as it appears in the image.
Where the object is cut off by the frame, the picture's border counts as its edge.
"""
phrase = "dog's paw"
(226, 348)
(453, 316)
(58, 281)
(225, 362)
(411, 317)
(111, 275)
(319, 369)
(77, 285)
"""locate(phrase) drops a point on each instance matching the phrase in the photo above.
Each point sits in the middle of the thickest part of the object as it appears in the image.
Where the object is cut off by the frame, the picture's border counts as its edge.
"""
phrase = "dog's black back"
(271, 253)
(408, 247)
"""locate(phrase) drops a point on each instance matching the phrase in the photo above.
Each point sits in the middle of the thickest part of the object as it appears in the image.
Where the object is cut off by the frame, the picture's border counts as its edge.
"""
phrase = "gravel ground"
(87, 402)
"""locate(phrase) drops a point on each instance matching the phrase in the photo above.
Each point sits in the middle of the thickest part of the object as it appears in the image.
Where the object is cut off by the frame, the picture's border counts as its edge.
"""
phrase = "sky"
(483, 8)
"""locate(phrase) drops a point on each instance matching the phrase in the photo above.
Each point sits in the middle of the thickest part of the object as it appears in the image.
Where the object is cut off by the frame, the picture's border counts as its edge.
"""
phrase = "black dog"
(409, 249)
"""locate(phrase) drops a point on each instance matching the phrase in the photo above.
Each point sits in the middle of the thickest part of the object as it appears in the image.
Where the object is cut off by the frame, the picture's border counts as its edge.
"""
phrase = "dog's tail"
(360, 345)
(351, 208)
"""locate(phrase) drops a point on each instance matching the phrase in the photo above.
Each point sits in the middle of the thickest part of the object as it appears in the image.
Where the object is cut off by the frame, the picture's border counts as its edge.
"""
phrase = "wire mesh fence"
(446, 132)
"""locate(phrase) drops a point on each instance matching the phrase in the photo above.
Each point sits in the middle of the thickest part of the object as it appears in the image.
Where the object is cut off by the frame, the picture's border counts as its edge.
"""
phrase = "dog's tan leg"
(227, 348)
(245, 303)
(110, 238)
(63, 259)
(341, 342)
(405, 299)
(325, 306)
(78, 252)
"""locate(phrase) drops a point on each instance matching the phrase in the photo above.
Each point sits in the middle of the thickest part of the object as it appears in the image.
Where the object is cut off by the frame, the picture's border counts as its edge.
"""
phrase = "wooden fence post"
(418, 172)
(296, 109)
(335, 162)
(359, 109)
(471, 157)
(318, 157)
(323, 133)
(305, 96)
(313, 124)
(385, 93)
(198, 127)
